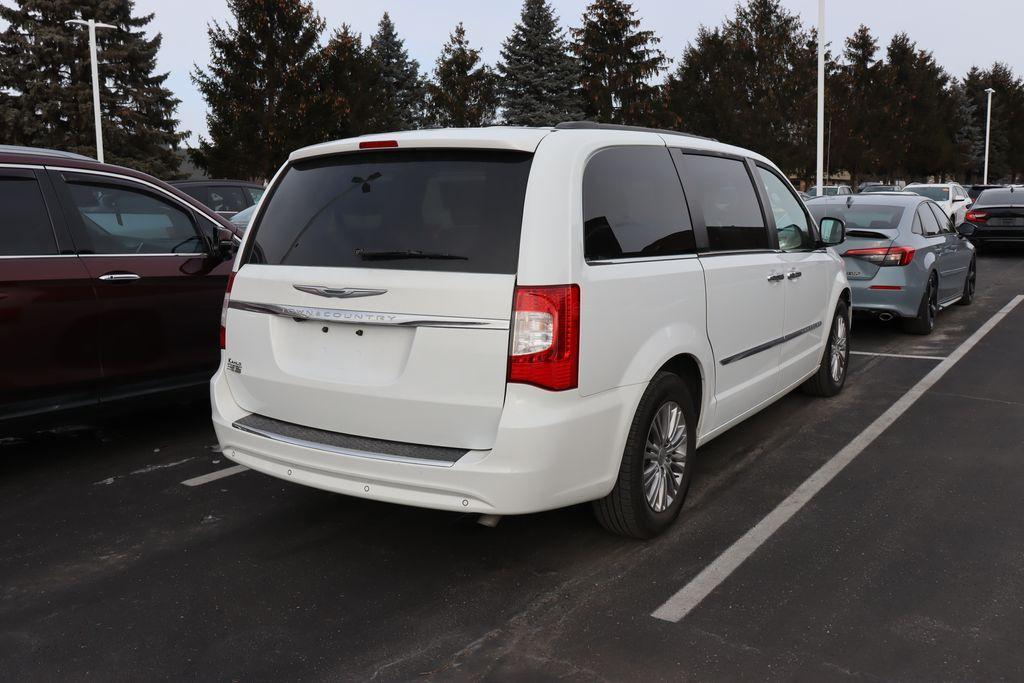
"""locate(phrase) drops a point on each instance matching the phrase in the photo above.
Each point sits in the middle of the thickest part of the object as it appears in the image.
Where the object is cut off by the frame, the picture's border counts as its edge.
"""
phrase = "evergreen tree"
(399, 87)
(918, 110)
(1006, 153)
(751, 82)
(539, 78)
(968, 134)
(463, 92)
(348, 86)
(46, 72)
(858, 98)
(616, 61)
(261, 88)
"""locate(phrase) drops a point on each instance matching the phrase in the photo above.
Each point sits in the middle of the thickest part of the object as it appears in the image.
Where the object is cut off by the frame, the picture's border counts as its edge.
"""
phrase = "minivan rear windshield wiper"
(407, 254)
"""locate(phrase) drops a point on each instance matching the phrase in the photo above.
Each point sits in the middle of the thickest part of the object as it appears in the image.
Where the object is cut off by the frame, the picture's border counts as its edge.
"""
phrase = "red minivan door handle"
(119, 277)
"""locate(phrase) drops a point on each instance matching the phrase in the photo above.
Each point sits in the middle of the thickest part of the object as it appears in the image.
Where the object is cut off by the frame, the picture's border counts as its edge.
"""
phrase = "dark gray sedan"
(904, 257)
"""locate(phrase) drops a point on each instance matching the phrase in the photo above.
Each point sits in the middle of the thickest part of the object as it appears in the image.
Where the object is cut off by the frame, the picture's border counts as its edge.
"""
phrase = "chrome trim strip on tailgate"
(266, 427)
(340, 315)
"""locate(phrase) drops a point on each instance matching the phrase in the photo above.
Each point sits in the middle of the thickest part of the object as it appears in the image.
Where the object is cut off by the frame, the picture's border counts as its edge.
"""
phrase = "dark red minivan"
(111, 284)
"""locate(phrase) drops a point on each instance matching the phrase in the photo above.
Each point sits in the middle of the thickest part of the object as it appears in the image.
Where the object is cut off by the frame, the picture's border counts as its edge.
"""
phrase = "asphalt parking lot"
(125, 556)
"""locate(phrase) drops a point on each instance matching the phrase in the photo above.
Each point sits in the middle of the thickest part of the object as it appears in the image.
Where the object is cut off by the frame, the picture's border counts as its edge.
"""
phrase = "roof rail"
(594, 125)
(42, 152)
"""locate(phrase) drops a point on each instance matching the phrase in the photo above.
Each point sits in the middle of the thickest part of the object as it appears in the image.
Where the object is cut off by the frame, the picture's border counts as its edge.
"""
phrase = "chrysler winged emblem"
(339, 292)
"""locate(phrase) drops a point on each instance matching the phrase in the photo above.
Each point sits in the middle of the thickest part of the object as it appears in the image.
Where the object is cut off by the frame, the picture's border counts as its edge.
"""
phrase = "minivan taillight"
(224, 311)
(546, 337)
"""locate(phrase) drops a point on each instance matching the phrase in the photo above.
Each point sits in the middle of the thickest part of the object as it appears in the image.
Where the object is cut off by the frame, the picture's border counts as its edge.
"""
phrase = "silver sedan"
(904, 256)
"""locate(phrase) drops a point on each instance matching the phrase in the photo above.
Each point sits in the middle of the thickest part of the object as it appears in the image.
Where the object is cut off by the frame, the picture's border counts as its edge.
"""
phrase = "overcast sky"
(960, 33)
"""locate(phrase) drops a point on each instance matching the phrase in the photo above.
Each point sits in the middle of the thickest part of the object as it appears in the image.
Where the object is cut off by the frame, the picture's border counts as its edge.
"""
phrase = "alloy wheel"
(837, 362)
(933, 303)
(665, 456)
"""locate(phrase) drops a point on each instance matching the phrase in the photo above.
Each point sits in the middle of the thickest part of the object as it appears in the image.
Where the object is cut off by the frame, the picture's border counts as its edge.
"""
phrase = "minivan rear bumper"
(552, 449)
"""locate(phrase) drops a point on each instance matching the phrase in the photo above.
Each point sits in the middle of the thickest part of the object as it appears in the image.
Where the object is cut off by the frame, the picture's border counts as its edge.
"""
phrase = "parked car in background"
(830, 190)
(242, 218)
(997, 216)
(111, 283)
(226, 197)
(437, 333)
(952, 197)
(904, 257)
(879, 188)
(975, 190)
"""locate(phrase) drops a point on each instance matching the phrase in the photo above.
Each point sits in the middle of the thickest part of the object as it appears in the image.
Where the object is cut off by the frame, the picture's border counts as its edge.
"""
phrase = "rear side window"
(197, 192)
(633, 205)
(728, 201)
(448, 210)
(254, 194)
(227, 199)
(25, 228)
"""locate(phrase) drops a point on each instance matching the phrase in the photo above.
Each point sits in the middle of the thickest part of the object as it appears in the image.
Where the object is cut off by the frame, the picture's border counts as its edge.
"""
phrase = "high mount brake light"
(378, 144)
(545, 341)
(224, 311)
(884, 256)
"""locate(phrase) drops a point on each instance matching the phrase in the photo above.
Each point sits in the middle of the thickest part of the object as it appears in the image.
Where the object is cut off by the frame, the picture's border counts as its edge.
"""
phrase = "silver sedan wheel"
(837, 362)
(665, 456)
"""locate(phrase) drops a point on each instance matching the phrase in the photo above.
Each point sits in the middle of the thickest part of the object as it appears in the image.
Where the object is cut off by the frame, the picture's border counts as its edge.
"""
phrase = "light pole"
(821, 97)
(93, 25)
(988, 130)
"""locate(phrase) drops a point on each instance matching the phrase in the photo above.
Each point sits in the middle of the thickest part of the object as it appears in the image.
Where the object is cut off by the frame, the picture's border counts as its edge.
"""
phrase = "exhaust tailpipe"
(885, 317)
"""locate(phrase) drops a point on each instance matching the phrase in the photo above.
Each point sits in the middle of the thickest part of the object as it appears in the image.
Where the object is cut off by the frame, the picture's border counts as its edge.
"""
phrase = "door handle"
(118, 277)
(776, 277)
(794, 274)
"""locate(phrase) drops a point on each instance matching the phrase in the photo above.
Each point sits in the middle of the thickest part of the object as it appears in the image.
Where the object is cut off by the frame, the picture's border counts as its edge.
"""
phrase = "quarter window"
(633, 205)
(928, 220)
(791, 222)
(116, 220)
(25, 228)
(728, 202)
(945, 223)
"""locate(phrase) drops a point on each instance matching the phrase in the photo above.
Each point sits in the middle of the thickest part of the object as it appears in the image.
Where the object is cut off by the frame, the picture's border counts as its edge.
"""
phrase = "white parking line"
(896, 355)
(214, 476)
(680, 604)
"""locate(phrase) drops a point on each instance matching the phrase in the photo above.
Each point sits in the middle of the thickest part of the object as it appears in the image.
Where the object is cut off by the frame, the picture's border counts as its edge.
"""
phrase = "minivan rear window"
(441, 210)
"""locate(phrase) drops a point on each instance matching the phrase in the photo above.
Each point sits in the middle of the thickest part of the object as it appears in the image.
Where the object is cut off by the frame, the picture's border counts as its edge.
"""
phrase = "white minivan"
(509, 320)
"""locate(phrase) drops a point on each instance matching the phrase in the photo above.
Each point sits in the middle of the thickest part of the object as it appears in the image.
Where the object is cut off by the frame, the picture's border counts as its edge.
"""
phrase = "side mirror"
(227, 244)
(965, 229)
(833, 231)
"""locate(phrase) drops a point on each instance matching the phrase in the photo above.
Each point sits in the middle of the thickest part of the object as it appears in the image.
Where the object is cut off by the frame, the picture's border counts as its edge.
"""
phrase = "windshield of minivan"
(939, 194)
(451, 210)
(863, 216)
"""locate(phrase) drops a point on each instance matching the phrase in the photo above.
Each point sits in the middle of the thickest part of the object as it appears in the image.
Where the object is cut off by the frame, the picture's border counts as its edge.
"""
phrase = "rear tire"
(970, 285)
(657, 462)
(927, 311)
(831, 374)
